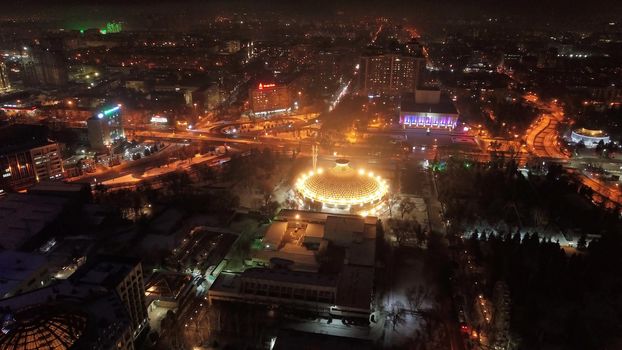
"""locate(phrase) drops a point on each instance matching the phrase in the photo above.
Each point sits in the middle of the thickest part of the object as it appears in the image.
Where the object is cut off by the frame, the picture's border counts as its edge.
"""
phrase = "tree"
(205, 172)
(416, 296)
(403, 229)
(391, 201)
(269, 209)
(100, 188)
(582, 242)
(406, 206)
(600, 147)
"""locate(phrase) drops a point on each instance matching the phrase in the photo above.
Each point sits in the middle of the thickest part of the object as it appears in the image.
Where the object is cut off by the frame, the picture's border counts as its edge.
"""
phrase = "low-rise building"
(590, 138)
(21, 272)
(65, 316)
(27, 219)
(27, 157)
(289, 270)
(427, 109)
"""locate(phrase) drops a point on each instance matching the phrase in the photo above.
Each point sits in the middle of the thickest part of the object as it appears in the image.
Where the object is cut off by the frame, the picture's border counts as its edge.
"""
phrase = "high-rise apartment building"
(5, 84)
(45, 65)
(391, 72)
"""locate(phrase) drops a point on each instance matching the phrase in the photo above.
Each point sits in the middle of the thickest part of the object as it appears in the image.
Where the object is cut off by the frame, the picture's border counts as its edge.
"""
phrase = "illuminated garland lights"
(342, 186)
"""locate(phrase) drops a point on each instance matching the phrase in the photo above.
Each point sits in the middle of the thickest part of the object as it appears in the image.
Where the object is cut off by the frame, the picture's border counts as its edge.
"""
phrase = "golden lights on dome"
(342, 186)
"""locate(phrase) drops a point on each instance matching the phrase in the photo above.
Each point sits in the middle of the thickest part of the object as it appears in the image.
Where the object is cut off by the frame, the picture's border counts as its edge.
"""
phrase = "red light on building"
(263, 86)
(465, 329)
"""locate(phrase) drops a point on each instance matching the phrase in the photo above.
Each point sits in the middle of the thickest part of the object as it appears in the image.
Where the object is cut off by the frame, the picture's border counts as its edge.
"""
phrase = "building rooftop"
(342, 185)
(295, 277)
(16, 267)
(408, 104)
(63, 316)
(53, 326)
(166, 285)
(590, 132)
(347, 244)
(107, 271)
(290, 339)
(20, 137)
(22, 216)
(274, 235)
(56, 187)
(318, 217)
(355, 286)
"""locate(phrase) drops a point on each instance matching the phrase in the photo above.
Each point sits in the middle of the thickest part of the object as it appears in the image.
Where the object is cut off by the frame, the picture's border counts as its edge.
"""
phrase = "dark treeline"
(497, 192)
(559, 301)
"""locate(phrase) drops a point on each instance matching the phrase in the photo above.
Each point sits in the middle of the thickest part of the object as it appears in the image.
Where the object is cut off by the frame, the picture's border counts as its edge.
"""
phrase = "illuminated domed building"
(88, 311)
(54, 327)
(342, 189)
(590, 138)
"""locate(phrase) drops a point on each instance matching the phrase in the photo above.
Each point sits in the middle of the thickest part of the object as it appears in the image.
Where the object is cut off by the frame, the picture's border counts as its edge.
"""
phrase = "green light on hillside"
(111, 28)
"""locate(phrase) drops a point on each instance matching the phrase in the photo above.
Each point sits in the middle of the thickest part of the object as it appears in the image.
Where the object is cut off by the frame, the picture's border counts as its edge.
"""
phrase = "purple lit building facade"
(428, 120)
(427, 109)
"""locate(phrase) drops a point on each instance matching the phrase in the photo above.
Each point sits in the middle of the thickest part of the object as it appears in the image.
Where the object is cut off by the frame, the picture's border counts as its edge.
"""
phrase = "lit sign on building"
(265, 86)
(111, 27)
(112, 110)
(158, 119)
(428, 120)
(108, 112)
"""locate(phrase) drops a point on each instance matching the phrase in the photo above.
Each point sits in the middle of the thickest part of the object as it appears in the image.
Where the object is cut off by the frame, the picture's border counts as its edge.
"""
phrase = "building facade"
(270, 99)
(291, 274)
(390, 74)
(24, 167)
(427, 109)
(5, 84)
(590, 138)
(125, 277)
(45, 66)
(65, 316)
(47, 162)
(105, 128)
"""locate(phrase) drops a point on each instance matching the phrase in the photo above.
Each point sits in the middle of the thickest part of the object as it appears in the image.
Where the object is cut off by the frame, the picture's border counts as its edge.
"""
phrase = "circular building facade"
(50, 327)
(342, 188)
(590, 138)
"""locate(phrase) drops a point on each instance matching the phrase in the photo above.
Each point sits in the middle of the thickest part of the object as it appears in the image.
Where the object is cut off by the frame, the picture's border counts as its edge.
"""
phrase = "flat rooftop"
(105, 271)
(295, 277)
(22, 216)
(166, 285)
(290, 339)
(340, 253)
(319, 217)
(17, 267)
(409, 105)
(293, 235)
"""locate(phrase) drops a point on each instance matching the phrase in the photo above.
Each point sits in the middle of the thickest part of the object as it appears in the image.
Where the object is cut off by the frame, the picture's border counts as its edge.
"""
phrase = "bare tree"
(391, 201)
(417, 296)
(406, 206)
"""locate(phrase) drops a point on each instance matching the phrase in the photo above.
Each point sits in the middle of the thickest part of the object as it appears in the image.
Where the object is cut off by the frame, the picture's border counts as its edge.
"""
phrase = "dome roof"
(342, 185)
(47, 327)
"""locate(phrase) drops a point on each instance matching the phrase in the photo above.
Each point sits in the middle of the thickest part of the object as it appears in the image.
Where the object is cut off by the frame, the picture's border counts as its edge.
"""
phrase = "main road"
(543, 141)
